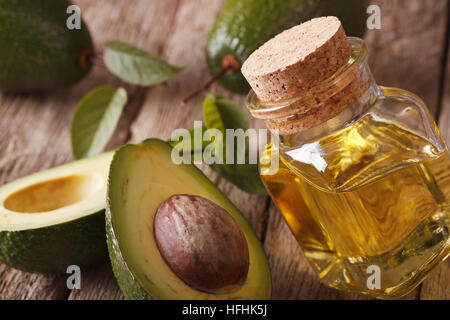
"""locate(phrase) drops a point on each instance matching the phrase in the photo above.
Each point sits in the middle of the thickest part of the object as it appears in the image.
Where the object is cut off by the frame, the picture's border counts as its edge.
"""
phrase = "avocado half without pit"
(55, 218)
(173, 235)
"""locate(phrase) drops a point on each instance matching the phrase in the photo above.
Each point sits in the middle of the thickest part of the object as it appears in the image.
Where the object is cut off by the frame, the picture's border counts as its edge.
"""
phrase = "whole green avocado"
(244, 25)
(37, 49)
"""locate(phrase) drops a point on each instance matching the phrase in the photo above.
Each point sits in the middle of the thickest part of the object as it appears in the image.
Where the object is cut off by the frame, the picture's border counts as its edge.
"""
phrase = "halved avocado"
(55, 218)
(142, 177)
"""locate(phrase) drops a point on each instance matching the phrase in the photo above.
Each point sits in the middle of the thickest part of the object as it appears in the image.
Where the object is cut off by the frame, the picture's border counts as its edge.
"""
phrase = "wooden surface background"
(410, 52)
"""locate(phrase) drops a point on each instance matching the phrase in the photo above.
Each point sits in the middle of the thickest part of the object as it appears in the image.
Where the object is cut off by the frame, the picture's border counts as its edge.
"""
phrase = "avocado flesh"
(55, 218)
(37, 49)
(141, 178)
(242, 26)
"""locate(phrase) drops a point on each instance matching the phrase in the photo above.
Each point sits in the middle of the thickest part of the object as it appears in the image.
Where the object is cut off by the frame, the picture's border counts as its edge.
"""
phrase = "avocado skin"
(130, 288)
(52, 249)
(127, 282)
(37, 50)
(242, 26)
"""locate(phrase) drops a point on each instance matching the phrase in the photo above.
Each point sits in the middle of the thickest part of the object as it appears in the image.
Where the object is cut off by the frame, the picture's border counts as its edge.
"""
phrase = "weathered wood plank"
(444, 118)
(436, 286)
(97, 283)
(177, 30)
(19, 285)
(407, 51)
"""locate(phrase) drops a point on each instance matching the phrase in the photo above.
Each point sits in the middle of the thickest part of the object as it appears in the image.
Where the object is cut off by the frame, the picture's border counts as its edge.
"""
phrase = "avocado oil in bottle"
(363, 177)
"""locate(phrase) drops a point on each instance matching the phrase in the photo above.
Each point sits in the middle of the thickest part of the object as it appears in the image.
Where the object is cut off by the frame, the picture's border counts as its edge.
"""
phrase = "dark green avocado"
(242, 26)
(37, 50)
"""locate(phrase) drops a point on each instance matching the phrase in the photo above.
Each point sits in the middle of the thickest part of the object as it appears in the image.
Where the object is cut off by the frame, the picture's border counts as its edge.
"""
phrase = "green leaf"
(244, 176)
(136, 66)
(95, 120)
(189, 145)
(222, 114)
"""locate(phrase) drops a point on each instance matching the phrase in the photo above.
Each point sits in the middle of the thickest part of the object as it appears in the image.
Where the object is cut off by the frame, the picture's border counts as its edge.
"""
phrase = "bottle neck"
(350, 114)
(326, 108)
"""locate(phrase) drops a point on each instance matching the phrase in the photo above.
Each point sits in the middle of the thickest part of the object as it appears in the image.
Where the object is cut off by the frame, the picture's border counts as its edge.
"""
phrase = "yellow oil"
(369, 194)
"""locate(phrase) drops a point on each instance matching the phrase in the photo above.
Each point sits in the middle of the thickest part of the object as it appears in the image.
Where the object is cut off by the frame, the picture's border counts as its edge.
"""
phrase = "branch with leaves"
(222, 114)
(97, 115)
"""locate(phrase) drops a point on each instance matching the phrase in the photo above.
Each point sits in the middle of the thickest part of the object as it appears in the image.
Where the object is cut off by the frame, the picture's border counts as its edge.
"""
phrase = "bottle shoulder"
(408, 111)
(368, 149)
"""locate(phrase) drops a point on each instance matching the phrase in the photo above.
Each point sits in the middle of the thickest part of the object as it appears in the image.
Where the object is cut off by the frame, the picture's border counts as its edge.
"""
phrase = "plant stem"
(207, 84)
(98, 61)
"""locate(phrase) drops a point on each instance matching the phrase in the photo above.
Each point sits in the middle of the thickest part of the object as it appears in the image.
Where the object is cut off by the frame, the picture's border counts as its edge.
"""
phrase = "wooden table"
(410, 52)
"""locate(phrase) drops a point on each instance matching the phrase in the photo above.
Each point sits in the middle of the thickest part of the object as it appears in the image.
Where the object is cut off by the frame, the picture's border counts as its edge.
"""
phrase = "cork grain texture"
(297, 59)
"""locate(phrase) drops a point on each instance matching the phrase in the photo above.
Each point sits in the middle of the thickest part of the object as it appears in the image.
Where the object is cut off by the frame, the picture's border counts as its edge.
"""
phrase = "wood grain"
(97, 283)
(15, 285)
(437, 286)
(444, 118)
(407, 51)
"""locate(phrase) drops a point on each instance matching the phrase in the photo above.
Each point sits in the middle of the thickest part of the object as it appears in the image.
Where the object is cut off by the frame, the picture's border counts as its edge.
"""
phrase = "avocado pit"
(202, 244)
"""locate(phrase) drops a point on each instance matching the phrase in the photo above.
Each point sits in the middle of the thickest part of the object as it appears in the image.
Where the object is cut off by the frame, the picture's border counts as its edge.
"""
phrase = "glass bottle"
(366, 192)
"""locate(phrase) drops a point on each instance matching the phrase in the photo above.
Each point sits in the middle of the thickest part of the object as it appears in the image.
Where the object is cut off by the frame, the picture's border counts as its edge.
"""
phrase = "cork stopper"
(296, 63)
